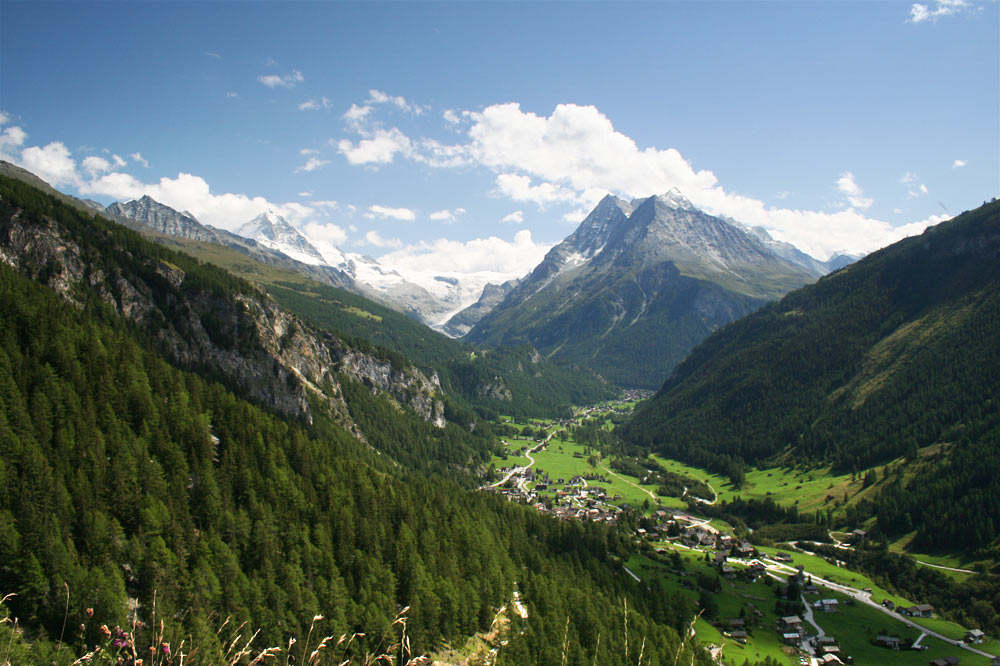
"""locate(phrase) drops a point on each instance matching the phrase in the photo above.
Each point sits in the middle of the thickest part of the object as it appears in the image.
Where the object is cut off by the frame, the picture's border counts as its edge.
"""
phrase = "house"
(826, 605)
(858, 536)
(737, 623)
(782, 557)
(891, 642)
(888, 603)
(738, 635)
(829, 660)
(791, 638)
(744, 549)
(921, 610)
(793, 622)
(974, 636)
(945, 661)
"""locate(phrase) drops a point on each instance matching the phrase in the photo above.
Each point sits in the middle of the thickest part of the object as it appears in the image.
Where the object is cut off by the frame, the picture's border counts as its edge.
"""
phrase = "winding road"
(865, 598)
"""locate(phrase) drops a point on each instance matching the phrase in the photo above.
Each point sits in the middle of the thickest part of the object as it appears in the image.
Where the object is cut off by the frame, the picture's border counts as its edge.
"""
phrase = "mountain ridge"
(636, 286)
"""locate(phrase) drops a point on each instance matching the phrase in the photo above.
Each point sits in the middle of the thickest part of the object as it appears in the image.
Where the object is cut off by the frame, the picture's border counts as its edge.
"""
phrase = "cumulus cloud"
(513, 258)
(51, 163)
(958, 164)
(517, 217)
(446, 215)
(192, 193)
(379, 97)
(940, 9)
(519, 188)
(95, 166)
(855, 195)
(329, 233)
(11, 139)
(289, 80)
(381, 148)
(376, 211)
(375, 239)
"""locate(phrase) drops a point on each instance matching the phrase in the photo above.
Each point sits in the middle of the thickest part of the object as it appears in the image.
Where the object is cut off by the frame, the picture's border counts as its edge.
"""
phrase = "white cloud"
(782, 195)
(376, 211)
(232, 94)
(314, 105)
(958, 164)
(212, 54)
(855, 195)
(379, 97)
(517, 217)
(4, 118)
(305, 194)
(52, 163)
(329, 233)
(119, 161)
(375, 239)
(519, 188)
(95, 166)
(479, 255)
(381, 148)
(916, 189)
(451, 117)
(311, 164)
(327, 203)
(12, 138)
(577, 215)
(289, 80)
(942, 8)
(447, 215)
(140, 159)
(192, 193)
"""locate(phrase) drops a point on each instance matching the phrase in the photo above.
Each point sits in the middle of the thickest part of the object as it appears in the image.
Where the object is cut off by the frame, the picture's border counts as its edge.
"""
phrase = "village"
(596, 494)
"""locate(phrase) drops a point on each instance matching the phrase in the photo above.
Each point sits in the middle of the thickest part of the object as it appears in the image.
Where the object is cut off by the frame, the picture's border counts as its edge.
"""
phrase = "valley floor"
(679, 552)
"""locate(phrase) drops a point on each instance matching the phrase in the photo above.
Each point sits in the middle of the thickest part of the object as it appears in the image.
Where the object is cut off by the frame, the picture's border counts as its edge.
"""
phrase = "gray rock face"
(492, 296)
(636, 286)
(164, 219)
(270, 355)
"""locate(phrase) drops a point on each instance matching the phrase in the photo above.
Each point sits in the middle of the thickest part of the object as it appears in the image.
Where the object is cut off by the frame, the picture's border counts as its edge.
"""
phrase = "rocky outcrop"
(239, 334)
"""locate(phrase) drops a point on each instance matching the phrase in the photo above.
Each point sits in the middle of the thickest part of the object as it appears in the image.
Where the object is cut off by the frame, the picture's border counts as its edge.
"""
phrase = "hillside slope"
(892, 355)
(133, 481)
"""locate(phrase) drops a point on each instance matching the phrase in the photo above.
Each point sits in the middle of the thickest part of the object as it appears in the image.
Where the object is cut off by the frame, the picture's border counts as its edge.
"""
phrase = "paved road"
(865, 597)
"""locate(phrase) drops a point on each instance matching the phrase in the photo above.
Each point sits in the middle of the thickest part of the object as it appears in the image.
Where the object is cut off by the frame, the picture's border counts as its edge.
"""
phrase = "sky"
(476, 135)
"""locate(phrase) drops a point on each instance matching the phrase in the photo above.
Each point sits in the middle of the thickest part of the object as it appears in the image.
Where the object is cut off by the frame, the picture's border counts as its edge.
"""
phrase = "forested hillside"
(893, 357)
(506, 380)
(145, 491)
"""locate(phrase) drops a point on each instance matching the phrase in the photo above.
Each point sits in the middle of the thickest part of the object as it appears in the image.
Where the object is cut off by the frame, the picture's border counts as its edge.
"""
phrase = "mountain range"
(891, 361)
(638, 284)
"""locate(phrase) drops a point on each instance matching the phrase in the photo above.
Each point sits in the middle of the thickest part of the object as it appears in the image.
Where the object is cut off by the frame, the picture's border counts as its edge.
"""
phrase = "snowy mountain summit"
(271, 230)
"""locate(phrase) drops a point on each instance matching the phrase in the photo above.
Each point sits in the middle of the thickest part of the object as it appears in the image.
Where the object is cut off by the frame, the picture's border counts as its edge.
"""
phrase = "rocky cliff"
(202, 318)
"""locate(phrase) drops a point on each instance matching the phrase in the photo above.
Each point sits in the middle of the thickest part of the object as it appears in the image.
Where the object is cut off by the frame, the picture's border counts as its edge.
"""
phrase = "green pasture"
(855, 625)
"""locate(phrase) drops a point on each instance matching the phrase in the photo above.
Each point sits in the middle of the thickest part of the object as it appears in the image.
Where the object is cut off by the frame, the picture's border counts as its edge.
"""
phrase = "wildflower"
(105, 631)
(166, 649)
(83, 627)
(90, 612)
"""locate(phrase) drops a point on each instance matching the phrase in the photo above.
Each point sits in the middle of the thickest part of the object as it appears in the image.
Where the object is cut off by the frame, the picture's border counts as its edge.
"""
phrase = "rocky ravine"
(262, 351)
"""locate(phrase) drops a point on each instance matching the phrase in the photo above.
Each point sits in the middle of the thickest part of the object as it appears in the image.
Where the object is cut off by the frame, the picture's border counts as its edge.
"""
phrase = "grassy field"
(854, 625)
(736, 595)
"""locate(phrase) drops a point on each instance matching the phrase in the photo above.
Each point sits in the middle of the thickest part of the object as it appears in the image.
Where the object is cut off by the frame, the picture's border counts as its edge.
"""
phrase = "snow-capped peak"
(272, 230)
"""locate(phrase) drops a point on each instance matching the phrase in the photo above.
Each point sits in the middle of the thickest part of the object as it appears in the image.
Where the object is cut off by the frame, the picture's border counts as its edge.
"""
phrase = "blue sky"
(417, 128)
